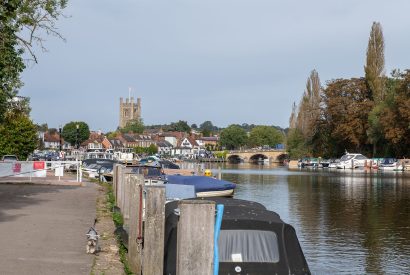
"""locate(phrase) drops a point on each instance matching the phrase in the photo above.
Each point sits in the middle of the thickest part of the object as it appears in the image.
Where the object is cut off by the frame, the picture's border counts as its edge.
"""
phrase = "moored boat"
(352, 161)
(390, 164)
(205, 186)
(252, 240)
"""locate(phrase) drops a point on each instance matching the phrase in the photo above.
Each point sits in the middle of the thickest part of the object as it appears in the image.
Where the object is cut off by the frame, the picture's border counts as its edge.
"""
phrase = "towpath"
(43, 227)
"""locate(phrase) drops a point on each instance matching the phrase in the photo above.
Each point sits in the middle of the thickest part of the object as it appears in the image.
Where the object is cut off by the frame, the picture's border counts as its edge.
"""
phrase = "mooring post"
(127, 199)
(135, 224)
(195, 237)
(153, 261)
(219, 173)
(120, 186)
(114, 181)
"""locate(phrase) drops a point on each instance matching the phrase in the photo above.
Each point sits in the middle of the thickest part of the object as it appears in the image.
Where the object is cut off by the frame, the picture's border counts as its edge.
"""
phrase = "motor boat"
(252, 240)
(390, 164)
(204, 186)
(352, 161)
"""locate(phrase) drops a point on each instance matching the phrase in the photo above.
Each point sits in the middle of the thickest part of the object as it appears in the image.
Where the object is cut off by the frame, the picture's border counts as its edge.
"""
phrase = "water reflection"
(351, 222)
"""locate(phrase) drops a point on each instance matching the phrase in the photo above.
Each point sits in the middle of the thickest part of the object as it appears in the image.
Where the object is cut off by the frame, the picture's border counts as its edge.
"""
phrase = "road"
(43, 227)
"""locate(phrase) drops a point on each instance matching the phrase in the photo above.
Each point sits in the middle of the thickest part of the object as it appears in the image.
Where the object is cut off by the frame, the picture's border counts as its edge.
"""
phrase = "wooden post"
(120, 187)
(154, 229)
(195, 237)
(135, 224)
(127, 199)
(219, 173)
(114, 181)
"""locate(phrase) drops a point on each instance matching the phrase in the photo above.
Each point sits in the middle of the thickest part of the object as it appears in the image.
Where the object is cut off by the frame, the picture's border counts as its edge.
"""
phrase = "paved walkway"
(43, 227)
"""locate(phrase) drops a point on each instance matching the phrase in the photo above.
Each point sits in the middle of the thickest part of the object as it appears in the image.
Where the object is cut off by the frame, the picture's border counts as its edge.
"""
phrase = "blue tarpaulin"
(202, 183)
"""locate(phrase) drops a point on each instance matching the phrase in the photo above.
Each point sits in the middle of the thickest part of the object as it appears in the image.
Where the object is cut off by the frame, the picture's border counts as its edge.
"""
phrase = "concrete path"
(43, 227)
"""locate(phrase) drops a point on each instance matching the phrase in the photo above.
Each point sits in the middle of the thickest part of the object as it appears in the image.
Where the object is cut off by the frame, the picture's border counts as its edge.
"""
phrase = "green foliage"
(18, 135)
(265, 135)
(135, 126)
(374, 68)
(151, 150)
(296, 144)
(207, 128)
(70, 135)
(221, 154)
(180, 126)
(233, 137)
(11, 62)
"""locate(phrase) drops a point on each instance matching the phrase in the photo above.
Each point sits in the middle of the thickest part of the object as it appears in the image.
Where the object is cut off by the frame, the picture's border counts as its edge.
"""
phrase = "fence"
(39, 169)
(143, 210)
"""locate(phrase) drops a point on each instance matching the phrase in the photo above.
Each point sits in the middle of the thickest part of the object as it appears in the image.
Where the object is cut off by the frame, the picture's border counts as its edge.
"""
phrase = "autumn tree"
(395, 118)
(348, 102)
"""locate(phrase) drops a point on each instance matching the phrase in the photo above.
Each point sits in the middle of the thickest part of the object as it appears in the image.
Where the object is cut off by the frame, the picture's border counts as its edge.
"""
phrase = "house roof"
(115, 142)
(164, 143)
(209, 138)
(52, 138)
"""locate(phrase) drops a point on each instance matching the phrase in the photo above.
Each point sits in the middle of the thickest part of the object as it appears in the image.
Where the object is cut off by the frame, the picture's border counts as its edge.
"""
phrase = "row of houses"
(168, 143)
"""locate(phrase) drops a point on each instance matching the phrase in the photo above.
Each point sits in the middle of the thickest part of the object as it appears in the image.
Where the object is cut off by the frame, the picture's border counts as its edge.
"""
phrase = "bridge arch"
(282, 157)
(234, 159)
(258, 158)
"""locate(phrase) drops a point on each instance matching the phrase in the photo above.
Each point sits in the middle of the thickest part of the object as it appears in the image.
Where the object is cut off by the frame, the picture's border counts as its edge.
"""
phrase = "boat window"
(360, 157)
(255, 246)
(346, 157)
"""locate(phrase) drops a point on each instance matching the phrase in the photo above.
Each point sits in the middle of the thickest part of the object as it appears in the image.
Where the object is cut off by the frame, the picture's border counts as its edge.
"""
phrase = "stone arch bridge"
(270, 156)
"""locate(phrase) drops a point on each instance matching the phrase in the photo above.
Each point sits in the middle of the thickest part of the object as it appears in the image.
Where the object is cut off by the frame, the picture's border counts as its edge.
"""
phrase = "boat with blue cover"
(205, 186)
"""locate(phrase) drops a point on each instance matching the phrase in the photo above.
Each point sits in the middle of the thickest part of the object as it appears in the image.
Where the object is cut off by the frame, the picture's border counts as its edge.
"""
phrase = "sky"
(227, 61)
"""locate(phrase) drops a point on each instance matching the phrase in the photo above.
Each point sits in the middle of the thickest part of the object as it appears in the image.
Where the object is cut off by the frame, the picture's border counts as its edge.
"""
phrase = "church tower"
(129, 110)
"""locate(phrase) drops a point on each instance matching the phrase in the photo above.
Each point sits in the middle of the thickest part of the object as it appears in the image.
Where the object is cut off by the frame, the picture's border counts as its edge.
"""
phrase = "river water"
(348, 222)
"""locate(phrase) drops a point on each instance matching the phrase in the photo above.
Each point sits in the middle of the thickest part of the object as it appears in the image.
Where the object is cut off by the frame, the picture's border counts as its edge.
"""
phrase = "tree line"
(368, 114)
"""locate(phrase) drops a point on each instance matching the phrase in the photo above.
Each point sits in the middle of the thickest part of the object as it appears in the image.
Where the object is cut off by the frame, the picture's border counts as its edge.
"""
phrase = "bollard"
(135, 223)
(195, 237)
(154, 229)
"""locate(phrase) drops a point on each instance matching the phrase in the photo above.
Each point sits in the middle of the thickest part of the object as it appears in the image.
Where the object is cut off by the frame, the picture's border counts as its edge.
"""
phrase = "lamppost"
(76, 136)
(61, 146)
(59, 131)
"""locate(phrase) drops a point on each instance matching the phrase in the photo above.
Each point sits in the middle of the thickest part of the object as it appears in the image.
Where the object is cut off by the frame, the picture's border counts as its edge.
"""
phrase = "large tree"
(374, 68)
(18, 135)
(375, 78)
(180, 126)
(265, 135)
(233, 137)
(76, 132)
(395, 118)
(207, 128)
(348, 103)
(134, 126)
(23, 23)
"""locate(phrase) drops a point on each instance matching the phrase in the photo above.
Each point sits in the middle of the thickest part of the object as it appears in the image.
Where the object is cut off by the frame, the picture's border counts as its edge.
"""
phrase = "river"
(348, 222)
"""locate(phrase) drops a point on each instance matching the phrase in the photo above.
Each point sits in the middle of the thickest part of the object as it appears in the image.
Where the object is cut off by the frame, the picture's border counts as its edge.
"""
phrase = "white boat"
(352, 161)
(390, 164)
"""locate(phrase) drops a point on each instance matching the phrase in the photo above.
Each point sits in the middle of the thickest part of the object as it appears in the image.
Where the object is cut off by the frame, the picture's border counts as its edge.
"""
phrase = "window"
(255, 246)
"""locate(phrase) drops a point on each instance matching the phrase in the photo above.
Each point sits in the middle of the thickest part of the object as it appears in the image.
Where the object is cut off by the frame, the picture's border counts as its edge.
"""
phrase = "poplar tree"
(374, 75)
(374, 68)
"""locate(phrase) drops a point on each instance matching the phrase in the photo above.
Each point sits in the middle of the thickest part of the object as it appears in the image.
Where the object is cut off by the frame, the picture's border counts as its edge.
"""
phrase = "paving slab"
(43, 227)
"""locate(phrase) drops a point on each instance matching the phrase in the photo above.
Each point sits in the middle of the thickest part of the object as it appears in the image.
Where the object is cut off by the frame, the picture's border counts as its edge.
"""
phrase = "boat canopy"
(201, 183)
(252, 238)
